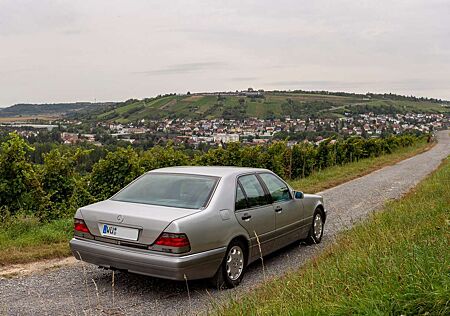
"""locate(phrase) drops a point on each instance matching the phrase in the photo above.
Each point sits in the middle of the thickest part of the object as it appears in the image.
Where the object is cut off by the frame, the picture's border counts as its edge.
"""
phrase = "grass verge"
(333, 176)
(26, 240)
(396, 263)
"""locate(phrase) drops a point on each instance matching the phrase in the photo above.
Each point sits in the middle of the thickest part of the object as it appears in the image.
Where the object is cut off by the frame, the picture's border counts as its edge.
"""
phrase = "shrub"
(112, 173)
(161, 157)
(58, 186)
(20, 189)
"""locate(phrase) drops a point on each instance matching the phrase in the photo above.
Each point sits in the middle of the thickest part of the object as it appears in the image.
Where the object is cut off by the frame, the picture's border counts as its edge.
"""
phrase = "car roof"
(216, 171)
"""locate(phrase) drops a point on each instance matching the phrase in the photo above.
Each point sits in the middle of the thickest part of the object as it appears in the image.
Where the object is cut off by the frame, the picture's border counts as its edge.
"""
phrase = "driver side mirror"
(298, 195)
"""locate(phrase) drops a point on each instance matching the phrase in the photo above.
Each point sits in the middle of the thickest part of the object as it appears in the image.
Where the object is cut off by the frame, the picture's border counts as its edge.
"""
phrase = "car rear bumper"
(193, 266)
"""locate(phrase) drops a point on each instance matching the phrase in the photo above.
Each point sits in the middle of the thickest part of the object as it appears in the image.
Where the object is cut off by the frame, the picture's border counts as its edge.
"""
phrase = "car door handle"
(278, 209)
(246, 217)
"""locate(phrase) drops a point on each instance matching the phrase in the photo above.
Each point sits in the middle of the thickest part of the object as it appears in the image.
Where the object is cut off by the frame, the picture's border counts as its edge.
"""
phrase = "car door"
(256, 214)
(289, 212)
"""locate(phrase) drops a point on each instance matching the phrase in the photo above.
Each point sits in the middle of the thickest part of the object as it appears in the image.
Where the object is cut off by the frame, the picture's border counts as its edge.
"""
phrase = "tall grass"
(396, 263)
(25, 239)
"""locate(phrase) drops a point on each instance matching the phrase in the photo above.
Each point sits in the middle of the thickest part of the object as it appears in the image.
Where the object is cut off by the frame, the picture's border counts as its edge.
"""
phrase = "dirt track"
(83, 289)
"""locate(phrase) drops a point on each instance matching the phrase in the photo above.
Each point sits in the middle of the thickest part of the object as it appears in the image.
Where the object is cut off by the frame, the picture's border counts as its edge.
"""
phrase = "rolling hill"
(54, 110)
(235, 105)
(272, 104)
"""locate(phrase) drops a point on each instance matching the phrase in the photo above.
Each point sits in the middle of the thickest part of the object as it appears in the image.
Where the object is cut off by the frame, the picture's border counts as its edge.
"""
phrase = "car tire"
(316, 231)
(232, 268)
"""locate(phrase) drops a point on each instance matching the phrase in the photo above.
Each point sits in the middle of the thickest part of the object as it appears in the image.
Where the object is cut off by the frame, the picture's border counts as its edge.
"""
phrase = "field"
(396, 263)
(26, 239)
(37, 118)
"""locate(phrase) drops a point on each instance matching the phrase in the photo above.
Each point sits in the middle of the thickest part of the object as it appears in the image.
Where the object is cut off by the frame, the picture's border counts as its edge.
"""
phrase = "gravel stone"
(83, 289)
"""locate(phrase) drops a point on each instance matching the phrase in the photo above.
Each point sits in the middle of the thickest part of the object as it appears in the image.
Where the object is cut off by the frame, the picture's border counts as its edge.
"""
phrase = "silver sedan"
(186, 223)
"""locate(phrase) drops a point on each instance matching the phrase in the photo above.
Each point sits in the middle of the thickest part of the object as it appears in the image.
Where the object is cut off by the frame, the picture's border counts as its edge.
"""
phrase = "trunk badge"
(120, 218)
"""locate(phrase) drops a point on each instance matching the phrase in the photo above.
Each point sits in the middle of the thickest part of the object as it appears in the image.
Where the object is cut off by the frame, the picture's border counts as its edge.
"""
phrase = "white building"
(226, 138)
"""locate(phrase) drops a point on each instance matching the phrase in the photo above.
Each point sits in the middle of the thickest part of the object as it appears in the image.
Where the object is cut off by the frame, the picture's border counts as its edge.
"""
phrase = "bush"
(57, 187)
(161, 157)
(113, 172)
(58, 176)
(20, 188)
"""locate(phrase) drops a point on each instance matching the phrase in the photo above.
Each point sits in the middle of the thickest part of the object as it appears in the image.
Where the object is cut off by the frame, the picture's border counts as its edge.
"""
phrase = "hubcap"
(235, 263)
(318, 226)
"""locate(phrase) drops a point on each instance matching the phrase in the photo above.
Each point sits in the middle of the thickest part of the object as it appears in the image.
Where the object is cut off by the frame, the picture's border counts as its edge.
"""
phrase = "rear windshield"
(169, 189)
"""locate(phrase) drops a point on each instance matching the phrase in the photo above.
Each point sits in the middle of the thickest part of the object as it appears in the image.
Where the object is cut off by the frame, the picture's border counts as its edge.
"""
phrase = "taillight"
(172, 242)
(80, 226)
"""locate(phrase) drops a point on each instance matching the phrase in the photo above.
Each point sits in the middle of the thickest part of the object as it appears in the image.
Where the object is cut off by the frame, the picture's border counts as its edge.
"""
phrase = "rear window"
(173, 190)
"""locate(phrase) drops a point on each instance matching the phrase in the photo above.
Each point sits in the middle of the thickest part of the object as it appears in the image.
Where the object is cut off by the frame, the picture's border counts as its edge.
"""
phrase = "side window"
(277, 188)
(253, 190)
(241, 201)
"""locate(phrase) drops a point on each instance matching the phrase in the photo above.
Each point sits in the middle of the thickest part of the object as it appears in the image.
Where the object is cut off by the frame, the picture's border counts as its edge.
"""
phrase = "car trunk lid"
(139, 223)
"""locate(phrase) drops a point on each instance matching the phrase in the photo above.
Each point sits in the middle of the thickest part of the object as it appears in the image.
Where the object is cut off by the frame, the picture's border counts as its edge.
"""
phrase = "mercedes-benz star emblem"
(120, 218)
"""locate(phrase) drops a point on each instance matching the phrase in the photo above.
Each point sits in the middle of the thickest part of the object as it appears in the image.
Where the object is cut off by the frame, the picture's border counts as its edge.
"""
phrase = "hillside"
(233, 105)
(55, 109)
(266, 105)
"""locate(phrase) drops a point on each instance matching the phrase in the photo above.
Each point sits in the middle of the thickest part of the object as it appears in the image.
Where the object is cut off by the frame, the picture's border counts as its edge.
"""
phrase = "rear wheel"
(232, 268)
(316, 231)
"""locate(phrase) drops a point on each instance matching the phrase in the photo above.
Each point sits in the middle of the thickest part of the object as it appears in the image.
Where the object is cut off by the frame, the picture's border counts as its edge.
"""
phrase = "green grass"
(25, 239)
(333, 176)
(396, 263)
(261, 109)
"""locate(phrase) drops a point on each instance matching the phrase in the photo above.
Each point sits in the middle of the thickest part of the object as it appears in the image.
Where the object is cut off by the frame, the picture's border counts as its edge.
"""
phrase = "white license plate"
(118, 231)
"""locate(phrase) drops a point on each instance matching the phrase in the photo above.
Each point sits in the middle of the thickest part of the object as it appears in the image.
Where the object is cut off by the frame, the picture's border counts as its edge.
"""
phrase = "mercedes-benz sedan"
(196, 222)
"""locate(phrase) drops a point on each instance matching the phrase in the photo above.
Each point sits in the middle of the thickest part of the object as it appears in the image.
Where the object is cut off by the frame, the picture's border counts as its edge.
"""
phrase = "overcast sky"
(63, 51)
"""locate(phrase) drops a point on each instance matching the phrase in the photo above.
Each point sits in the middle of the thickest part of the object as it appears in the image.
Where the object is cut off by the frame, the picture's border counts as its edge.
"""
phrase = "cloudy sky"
(63, 51)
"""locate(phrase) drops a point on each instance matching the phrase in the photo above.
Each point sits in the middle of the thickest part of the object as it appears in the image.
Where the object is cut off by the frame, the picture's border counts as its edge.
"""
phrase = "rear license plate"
(119, 231)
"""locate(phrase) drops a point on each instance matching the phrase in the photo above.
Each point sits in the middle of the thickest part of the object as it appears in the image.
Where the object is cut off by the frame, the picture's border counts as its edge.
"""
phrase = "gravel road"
(86, 290)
